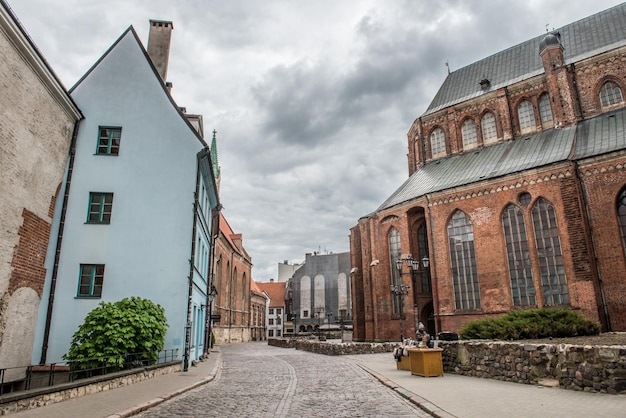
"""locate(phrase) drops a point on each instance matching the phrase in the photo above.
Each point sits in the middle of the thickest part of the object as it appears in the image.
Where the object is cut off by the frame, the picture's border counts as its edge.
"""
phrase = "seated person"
(422, 336)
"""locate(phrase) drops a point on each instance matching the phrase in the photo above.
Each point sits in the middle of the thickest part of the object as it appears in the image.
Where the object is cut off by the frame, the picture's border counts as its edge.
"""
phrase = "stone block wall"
(575, 367)
(24, 400)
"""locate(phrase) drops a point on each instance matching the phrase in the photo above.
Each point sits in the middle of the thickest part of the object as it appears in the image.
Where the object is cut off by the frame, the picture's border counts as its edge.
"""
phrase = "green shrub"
(113, 330)
(531, 324)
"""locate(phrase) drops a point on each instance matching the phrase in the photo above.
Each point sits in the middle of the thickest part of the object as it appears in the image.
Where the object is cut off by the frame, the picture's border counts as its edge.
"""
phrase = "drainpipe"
(59, 241)
(191, 270)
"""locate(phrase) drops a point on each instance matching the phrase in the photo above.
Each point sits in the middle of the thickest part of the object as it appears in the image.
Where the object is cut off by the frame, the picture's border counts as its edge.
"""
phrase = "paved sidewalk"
(132, 399)
(468, 397)
(444, 397)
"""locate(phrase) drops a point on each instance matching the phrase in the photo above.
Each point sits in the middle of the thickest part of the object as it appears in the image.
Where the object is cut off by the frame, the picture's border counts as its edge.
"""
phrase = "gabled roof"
(254, 288)
(276, 292)
(128, 32)
(600, 135)
(227, 233)
(582, 39)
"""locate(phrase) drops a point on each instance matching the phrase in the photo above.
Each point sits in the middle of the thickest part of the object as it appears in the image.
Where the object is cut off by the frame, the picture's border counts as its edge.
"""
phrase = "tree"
(112, 331)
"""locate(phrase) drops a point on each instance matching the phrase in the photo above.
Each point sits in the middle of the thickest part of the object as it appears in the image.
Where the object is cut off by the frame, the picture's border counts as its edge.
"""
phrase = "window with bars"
(90, 281)
(468, 132)
(545, 111)
(437, 142)
(550, 257)
(395, 254)
(488, 125)
(526, 116)
(109, 141)
(463, 262)
(100, 207)
(610, 94)
(621, 216)
(520, 271)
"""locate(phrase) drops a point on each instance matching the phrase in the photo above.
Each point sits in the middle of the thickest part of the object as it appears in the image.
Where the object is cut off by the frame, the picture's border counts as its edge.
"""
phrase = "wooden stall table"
(404, 363)
(426, 362)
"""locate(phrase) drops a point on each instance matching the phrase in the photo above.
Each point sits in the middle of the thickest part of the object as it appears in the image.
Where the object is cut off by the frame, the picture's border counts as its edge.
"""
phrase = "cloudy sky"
(311, 99)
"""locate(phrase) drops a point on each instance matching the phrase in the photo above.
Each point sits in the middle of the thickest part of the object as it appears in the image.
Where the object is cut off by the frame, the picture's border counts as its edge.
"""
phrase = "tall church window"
(610, 94)
(438, 142)
(526, 116)
(545, 111)
(621, 215)
(488, 123)
(422, 240)
(468, 131)
(550, 257)
(463, 262)
(520, 272)
(395, 254)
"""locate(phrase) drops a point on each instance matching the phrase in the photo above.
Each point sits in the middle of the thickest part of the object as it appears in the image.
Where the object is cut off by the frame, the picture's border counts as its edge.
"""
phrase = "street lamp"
(399, 291)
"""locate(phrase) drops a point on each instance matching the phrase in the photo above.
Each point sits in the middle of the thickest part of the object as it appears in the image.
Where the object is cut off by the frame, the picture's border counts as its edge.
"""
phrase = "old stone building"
(516, 196)
(39, 121)
(232, 267)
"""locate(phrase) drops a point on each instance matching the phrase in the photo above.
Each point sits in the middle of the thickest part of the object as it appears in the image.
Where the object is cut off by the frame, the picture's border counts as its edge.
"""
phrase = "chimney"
(159, 45)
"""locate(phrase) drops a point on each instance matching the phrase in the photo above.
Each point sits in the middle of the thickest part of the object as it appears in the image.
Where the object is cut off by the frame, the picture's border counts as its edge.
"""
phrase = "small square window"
(271, 311)
(100, 207)
(109, 141)
(90, 280)
(278, 311)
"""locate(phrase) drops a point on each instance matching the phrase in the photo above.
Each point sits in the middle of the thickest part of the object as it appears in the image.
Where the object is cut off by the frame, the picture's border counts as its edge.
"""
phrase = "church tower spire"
(214, 161)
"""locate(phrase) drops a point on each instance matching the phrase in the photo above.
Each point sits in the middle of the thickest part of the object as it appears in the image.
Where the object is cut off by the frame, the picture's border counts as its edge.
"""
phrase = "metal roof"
(592, 137)
(582, 39)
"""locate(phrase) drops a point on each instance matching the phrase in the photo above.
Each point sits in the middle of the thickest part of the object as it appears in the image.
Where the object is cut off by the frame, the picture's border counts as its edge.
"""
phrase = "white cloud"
(311, 99)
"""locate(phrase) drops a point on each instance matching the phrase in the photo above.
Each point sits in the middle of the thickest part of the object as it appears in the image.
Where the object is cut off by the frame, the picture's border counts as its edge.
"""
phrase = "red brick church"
(516, 197)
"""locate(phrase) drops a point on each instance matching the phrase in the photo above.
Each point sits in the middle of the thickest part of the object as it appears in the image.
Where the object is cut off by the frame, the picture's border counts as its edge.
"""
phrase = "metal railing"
(21, 378)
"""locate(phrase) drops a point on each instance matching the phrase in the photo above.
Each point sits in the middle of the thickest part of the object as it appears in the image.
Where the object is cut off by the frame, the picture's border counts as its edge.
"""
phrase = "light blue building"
(134, 214)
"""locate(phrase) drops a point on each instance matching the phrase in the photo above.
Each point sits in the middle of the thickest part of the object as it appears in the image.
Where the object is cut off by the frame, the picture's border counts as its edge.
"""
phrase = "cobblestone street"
(257, 380)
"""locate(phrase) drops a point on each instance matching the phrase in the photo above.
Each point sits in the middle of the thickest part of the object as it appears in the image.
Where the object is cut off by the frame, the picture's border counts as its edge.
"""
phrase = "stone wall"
(24, 400)
(332, 348)
(585, 368)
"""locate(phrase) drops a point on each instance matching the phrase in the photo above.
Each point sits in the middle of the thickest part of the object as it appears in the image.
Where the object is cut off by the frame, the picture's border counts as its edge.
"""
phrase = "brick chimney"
(159, 45)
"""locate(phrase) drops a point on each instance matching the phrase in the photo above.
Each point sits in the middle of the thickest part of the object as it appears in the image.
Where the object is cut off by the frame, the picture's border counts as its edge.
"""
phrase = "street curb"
(156, 401)
(415, 399)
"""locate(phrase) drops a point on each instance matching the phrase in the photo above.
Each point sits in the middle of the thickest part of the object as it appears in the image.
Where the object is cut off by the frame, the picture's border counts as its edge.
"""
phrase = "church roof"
(582, 39)
(592, 137)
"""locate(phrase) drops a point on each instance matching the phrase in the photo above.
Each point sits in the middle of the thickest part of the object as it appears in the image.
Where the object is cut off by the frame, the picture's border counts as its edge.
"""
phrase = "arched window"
(526, 116)
(610, 94)
(422, 240)
(438, 142)
(468, 131)
(488, 123)
(621, 215)
(520, 272)
(305, 296)
(545, 111)
(394, 255)
(463, 262)
(550, 257)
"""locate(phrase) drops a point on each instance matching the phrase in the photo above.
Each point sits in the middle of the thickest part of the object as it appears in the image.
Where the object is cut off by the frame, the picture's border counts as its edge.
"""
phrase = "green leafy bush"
(113, 330)
(531, 324)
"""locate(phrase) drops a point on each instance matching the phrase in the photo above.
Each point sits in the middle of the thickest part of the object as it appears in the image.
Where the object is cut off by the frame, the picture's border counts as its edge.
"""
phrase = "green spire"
(216, 167)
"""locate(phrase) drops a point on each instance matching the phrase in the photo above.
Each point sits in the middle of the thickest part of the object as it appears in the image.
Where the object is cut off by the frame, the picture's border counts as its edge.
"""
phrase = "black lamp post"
(400, 290)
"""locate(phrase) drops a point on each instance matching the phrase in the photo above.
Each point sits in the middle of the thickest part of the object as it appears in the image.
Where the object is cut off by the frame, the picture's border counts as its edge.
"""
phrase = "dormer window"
(438, 143)
(610, 94)
(526, 116)
(484, 84)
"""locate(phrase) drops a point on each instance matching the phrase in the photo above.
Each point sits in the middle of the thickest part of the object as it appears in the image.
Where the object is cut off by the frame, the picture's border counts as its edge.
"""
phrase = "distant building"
(516, 193)
(39, 122)
(319, 293)
(259, 302)
(134, 210)
(232, 277)
(276, 307)
(286, 270)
